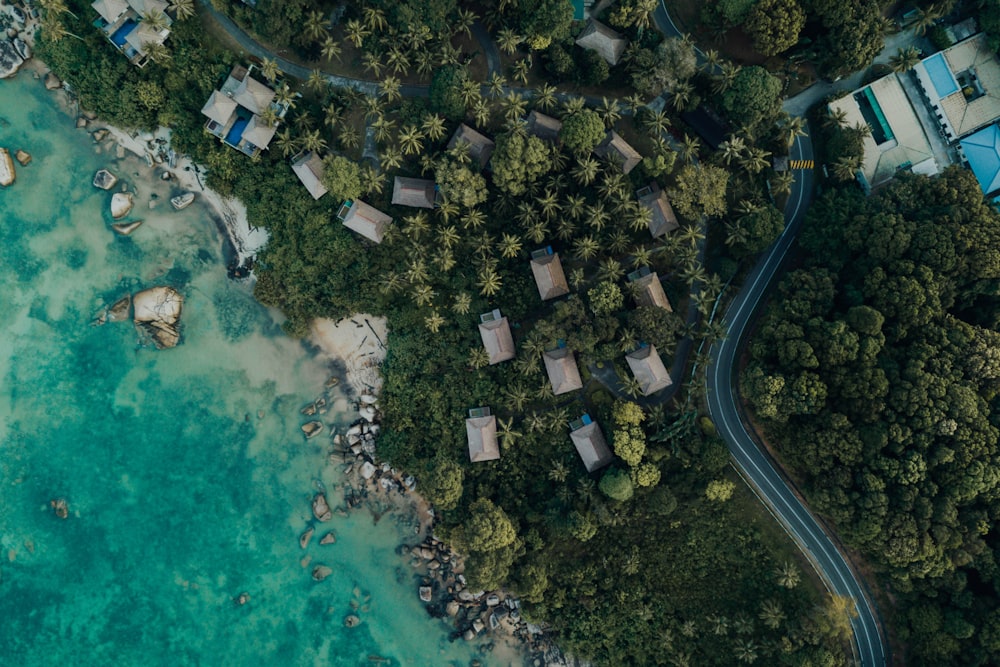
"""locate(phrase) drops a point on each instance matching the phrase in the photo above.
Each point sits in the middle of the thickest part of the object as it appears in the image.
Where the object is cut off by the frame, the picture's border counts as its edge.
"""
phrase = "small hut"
(413, 192)
(617, 150)
(480, 146)
(497, 338)
(481, 430)
(564, 375)
(308, 167)
(544, 127)
(663, 219)
(648, 369)
(590, 443)
(606, 42)
(548, 272)
(364, 219)
(648, 289)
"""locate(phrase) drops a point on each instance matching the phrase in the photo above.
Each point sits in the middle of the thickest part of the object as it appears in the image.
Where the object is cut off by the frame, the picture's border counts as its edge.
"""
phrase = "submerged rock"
(157, 311)
(24, 157)
(305, 537)
(52, 82)
(105, 180)
(351, 621)
(10, 59)
(121, 204)
(321, 572)
(7, 173)
(126, 228)
(312, 429)
(120, 309)
(60, 507)
(329, 538)
(321, 509)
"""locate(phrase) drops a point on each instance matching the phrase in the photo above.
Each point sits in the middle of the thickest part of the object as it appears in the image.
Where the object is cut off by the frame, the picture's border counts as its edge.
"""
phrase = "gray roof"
(480, 146)
(619, 151)
(367, 221)
(253, 94)
(606, 42)
(219, 107)
(649, 291)
(648, 369)
(564, 375)
(498, 340)
(258, 133)
(143, 6)
(143, 35)
(591, 446)
(309, 168)
(543, 127)
(415, 192)
(663, 219)
(549, 276)
(482, 435)
(110, 10)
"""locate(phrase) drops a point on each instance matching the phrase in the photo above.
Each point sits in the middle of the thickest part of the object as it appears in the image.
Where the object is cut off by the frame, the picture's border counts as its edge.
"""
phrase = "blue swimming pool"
(236, 132)
(941, 76)
(118, 38)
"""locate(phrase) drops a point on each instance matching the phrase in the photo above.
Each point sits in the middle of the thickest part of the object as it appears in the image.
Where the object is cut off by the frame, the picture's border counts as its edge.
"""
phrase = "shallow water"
(186, 474)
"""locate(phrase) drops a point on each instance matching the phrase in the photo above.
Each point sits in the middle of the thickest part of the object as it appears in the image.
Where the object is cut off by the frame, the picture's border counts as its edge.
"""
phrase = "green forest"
(665, 557)
(876, 368)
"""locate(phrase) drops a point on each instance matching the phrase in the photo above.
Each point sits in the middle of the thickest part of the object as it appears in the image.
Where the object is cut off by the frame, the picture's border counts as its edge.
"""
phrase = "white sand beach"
(359, 342)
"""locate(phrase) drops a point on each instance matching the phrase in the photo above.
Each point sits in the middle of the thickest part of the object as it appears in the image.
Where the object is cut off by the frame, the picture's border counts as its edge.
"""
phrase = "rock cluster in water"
(157, 312)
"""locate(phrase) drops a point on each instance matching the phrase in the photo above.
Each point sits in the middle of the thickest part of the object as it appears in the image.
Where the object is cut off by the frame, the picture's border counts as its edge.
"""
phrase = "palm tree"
(383, 127)
(517, 396)
(597, 217)
(586, 248)
(573, 104)
(835, 118)
(156, 52)
(480, 358)
(558, 472)
(689, 148)
(772, 614)
(425, 62)
(634, 102)
(269, 116)
(755, 160)
(54, 30)
(391, 282)
(609, 112)
(375, 19)
(332, 115)
(182, 9)
(269, 70)
(481, 112)
(331, 49)
(473, 219)
(286, 143)
(508, 40)
(656, 123)
(423, 295)
(464, 19)
(521, 69)
(285, 97)
(448, 236)
(317, 81)
(461, 303)
(433, 126)
(56, 7)
(416, 225)
(372, 181)
(349, 137)
(736, 234)
(545, 97)
(927, 17)
(314, 27)
(398, 61)
(434, 321)
(374, 106)
(537, 231)
(788, 575)
(746, 650)
(356, 32)
(725, 78)
(489, 282)
(611, 270)
(846, 168)
(510, 246)
(446, 210)
(514, 105)
(904, 60)
(731, 149)
(549, 204)
(782, 182)
(391, 88)
(505, 427)
(711, 61)
(390, 158)
(681, 97)
(496, 84)
(630, 385)
(411, 139)
(154, 20)
(586, 170)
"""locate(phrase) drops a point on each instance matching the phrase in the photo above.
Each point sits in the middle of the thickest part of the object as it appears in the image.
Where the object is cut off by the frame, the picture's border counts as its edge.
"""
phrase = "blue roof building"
(982, 150)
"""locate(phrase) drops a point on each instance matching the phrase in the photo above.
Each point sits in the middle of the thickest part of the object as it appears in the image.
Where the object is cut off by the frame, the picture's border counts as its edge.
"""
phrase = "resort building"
(414, 192)
(617, 150)
(544, 127)
(648, 289)
(308, 166)
(364, 219)
(133, 26)
(590, 443)
(897, 140)
(603, 40)
(982, 151)
(564, 375)
(243, 114)
(479, 145)
(494, 329)
(648, 369)
(481, 430)
(548, 272)
(962, 86)
(663, 219)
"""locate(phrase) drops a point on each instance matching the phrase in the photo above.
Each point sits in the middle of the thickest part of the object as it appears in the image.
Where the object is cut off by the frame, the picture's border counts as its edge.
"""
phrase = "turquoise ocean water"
(186, 474)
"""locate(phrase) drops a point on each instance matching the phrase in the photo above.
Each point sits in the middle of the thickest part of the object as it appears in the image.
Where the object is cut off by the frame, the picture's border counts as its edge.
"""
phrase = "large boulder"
(321, 509)
(10, 59)
(157, 311)
(121, 204)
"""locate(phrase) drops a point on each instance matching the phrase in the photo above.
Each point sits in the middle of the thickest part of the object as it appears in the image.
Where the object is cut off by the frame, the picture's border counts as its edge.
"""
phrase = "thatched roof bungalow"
(548, 272)
(480, 146)
(308, 167)
(564, 375)
(617, 150)
(648, 369)
(481, 431)
(590, 444)
(606, 42)
(663, 219)
(649, 289)
(494, 329)
(364, 219)
(413, 192)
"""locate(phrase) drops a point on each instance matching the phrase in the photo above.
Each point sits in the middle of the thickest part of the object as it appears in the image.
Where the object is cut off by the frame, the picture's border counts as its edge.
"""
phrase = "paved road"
(752, 461)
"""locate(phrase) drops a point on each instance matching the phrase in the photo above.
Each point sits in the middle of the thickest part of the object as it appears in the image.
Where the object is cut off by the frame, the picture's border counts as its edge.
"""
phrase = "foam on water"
(181, 494)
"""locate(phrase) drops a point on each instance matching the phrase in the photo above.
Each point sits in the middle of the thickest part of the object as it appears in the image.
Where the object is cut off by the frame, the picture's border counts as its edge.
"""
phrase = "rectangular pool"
(236, 131)
(871, 111)
(940, 74)
(118, 38)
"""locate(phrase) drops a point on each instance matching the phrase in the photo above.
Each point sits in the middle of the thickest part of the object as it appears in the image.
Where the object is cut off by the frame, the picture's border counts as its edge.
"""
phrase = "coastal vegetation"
(876, 369)
(662, 558)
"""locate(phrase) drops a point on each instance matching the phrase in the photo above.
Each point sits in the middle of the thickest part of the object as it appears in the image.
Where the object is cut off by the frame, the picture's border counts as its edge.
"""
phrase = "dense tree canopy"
(754, 97)
(877, 369)
(582, 131)
(774, 25)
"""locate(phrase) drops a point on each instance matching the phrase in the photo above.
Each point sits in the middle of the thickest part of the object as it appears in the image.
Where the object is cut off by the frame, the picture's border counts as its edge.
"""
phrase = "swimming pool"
(871, 111)
(940, 74)
(236, 131)
(118, 38)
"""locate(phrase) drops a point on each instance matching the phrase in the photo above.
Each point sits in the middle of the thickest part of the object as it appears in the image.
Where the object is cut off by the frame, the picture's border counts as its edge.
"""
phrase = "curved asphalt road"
(754, 464)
